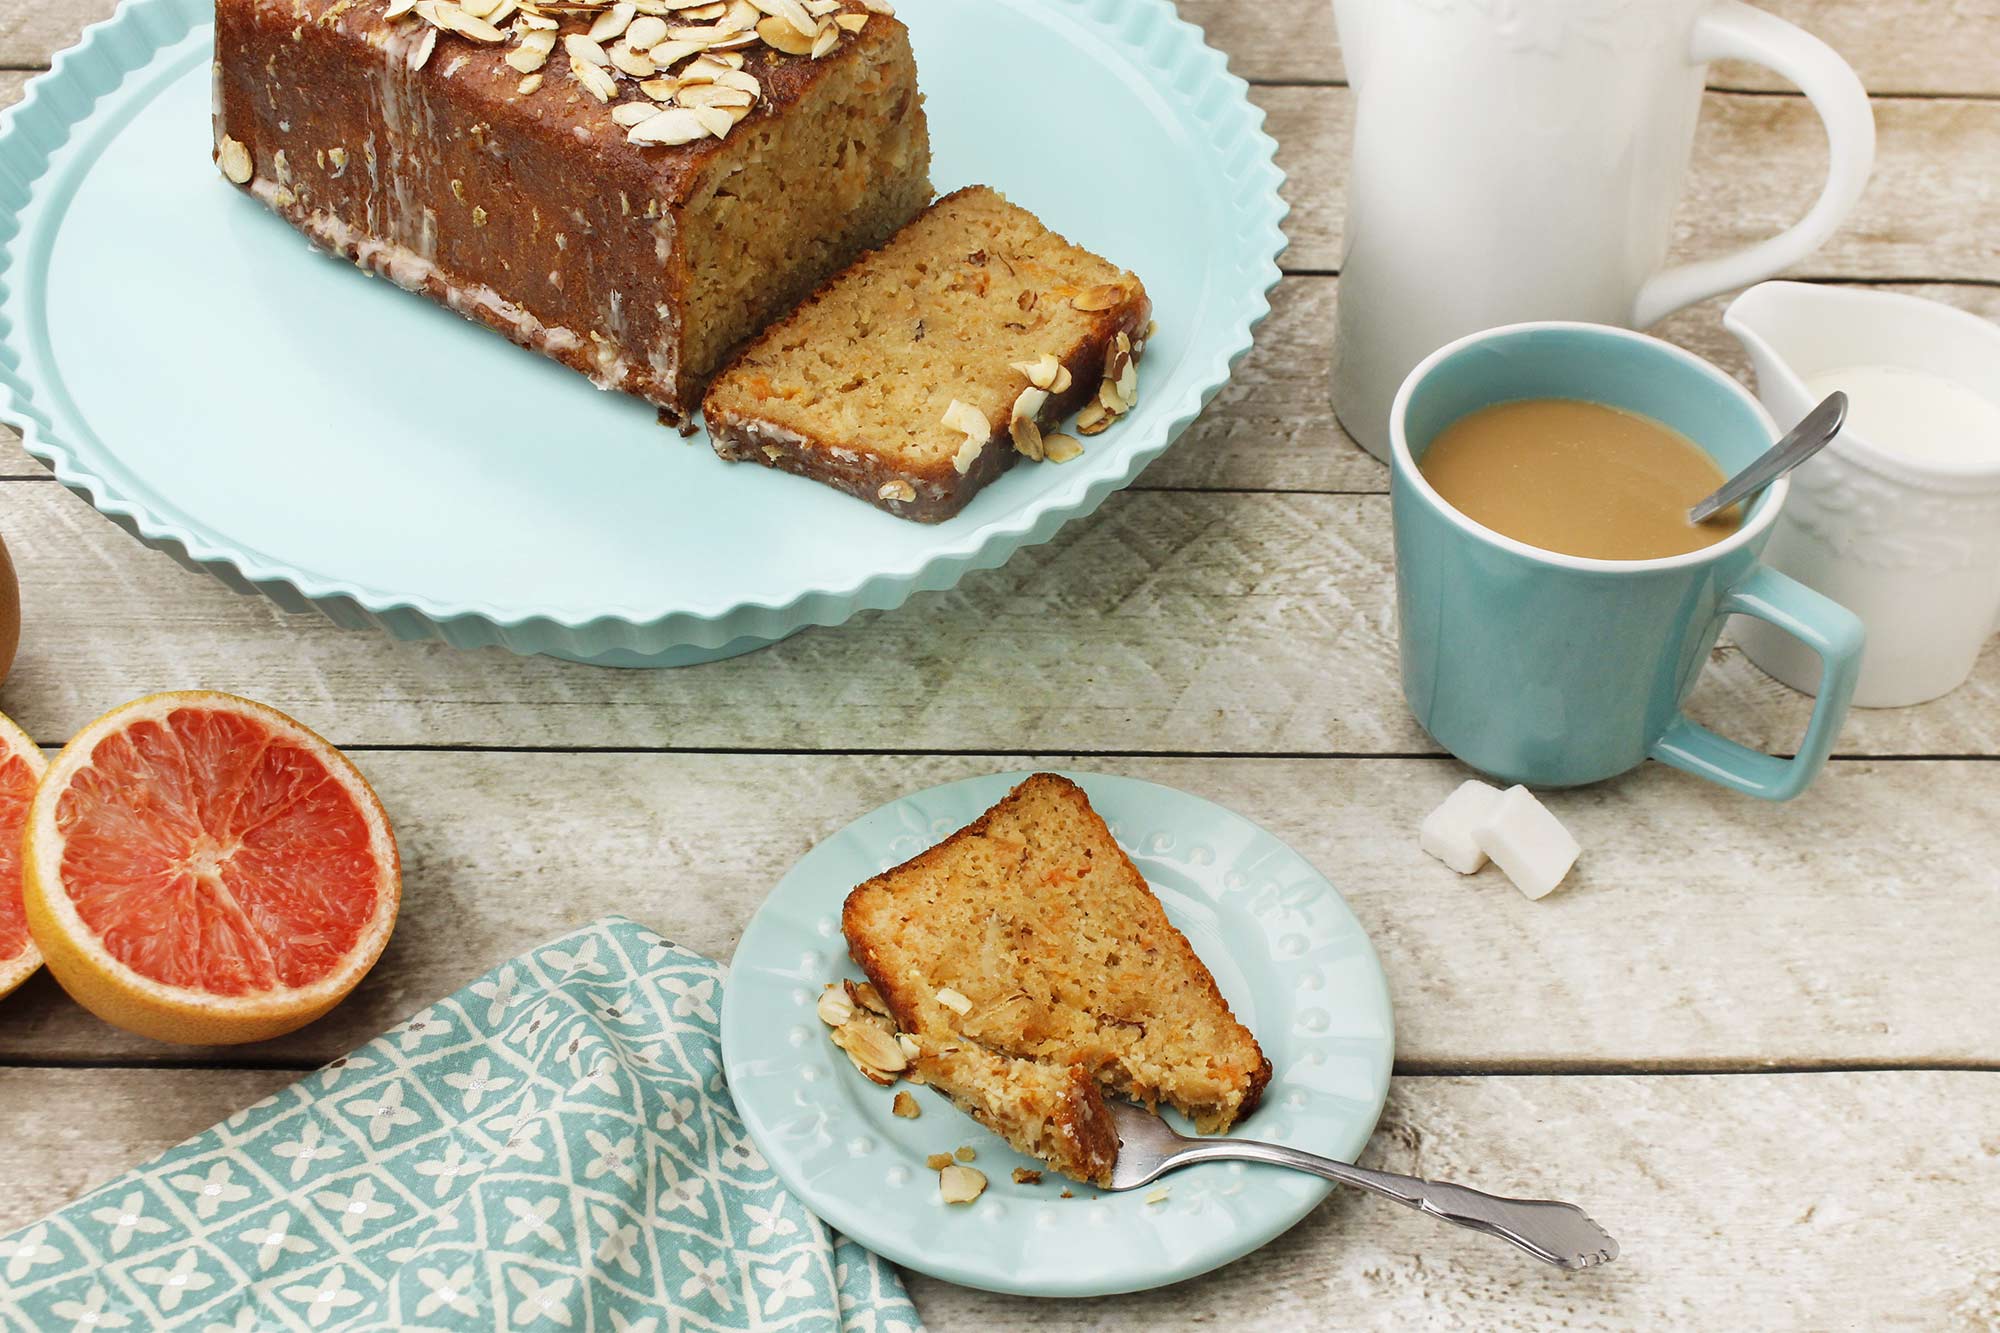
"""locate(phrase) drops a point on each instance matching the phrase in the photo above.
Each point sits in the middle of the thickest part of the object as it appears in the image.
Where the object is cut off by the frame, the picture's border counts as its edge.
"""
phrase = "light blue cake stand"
(178, 356)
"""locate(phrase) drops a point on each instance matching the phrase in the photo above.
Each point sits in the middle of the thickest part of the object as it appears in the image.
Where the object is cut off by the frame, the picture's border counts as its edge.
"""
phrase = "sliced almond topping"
(911, 1049)
(1101, 297)
(531, 84)
(960, 1184)
(1108, 395)
(864, 994)
(950, 998)
(792, 12)
(713, 95)
(631, 62)
(642, 34)
(660, 90)
(906, 1106)
(782, 36)
(707, 13)
(629, 114)
(1063, 380)
(834, 1007)
(819, 9)
(502, 12)
(613, 21)
(456, 20)
(598, 82)
(1062, 448)
(829, 37)
(741, 17)
(1021, 425)
(938, 1161)
(533, 52)
(398, 8)
(425, 45)
(1128, 384)
(669, 53)
(874, 1047)
(1042, 372)
(897, 490)
(965, 417)
(714, 119)
(741, 82)
(536, 23)
(851, 22)
(1092, 420)
(583, 48)
(674, 125)
(479, 9)
(234, 159)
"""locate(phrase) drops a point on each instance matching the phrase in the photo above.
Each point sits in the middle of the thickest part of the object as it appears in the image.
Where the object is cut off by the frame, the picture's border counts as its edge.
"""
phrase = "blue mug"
(1556, 670)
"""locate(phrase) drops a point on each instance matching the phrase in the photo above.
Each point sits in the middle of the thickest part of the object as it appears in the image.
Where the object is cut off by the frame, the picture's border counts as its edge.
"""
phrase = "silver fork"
(1556, 1233)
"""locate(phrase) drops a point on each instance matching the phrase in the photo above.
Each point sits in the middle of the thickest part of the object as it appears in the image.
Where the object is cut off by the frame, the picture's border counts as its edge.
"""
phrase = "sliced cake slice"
(1035, 968)
(922, 371)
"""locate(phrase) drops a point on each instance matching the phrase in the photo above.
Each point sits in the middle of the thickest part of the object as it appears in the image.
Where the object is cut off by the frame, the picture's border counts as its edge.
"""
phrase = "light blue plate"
(1289, 957)
(178, 356)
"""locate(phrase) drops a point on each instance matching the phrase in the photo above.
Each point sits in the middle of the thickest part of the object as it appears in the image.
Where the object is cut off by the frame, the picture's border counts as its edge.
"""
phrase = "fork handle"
(1556, 1233)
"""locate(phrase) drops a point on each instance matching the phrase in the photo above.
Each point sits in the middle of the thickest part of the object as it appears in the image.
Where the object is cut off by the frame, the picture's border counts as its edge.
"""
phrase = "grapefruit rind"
(14, 741)
(127, 999)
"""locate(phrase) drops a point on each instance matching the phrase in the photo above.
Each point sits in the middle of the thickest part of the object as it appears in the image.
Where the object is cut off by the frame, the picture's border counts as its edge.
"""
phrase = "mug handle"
(1823, 625)
(1730, 28)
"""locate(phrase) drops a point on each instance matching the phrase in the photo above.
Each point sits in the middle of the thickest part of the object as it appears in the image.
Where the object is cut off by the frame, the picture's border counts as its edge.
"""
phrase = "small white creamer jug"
(1520, 160)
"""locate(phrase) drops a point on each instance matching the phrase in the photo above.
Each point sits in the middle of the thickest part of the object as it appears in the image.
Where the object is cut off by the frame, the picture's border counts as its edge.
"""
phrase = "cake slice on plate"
(924, 370)
(1035, 969)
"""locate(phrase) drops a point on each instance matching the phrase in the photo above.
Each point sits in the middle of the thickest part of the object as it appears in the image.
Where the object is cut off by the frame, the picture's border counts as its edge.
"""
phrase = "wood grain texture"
(1896, 46)
(1177, 621)
(1931, 209)
(1885, 1218)
(1681, 940)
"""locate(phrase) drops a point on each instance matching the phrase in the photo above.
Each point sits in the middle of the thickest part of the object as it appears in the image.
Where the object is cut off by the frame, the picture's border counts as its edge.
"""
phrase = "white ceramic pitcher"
(1521, 159)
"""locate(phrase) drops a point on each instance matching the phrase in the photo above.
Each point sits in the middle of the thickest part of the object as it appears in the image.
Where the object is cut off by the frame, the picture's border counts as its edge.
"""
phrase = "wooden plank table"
(1758, 1042)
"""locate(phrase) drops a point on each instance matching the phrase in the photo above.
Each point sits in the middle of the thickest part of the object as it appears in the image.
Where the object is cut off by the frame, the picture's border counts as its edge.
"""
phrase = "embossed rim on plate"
(1319, 1005)
(1148, 33)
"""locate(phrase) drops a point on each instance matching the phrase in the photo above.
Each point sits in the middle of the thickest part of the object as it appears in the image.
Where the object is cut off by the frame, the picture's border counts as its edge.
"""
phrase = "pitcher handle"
(1730, 28)
(1823, 625)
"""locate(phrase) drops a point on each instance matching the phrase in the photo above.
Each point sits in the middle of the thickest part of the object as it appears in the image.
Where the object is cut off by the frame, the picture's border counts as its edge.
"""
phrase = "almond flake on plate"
(960, 1184)
(834, 1007)
(1061, 448)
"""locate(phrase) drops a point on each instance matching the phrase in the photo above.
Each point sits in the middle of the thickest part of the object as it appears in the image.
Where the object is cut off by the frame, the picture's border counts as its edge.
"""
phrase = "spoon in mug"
(1804, 440)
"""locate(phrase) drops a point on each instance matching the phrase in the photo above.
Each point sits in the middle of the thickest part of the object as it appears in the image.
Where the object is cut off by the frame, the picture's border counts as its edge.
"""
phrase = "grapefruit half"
(21, 765)
(201, 868)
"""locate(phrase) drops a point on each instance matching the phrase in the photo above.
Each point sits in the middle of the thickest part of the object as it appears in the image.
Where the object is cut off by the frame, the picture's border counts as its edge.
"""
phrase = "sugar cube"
(1448, 831)
(1527, 842)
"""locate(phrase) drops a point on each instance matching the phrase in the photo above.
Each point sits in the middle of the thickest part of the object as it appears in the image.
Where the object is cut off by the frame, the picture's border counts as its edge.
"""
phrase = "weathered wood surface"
(1681, 940)
(1930, 209)
(1203, 623)
(1896, 46)
(1807, 1201)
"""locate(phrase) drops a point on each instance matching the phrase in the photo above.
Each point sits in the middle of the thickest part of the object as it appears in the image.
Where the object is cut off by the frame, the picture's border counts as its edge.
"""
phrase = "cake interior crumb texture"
(1077, 982)
(853, 387)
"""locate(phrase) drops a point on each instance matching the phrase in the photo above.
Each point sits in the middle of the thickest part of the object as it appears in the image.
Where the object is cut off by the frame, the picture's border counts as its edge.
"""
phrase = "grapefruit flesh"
(202, 868)
(20, 769)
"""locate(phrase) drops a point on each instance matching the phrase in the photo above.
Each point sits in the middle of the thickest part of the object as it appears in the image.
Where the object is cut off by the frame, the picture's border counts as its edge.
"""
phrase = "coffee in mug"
(1578, 478)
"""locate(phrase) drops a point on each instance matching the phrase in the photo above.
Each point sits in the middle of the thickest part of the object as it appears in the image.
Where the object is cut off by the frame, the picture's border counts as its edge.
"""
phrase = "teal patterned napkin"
(550, 1148)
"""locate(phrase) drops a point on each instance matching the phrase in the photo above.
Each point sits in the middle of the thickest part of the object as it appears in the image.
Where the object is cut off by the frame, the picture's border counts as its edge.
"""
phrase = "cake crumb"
(966, 1154)
(938, 1161)
(1159, 1195)
(1066, 1194)
(1024, 1176)
(906, 1106)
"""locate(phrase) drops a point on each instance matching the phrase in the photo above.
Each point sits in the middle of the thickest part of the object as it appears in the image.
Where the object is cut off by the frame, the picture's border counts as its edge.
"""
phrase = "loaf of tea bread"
(631, 189)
